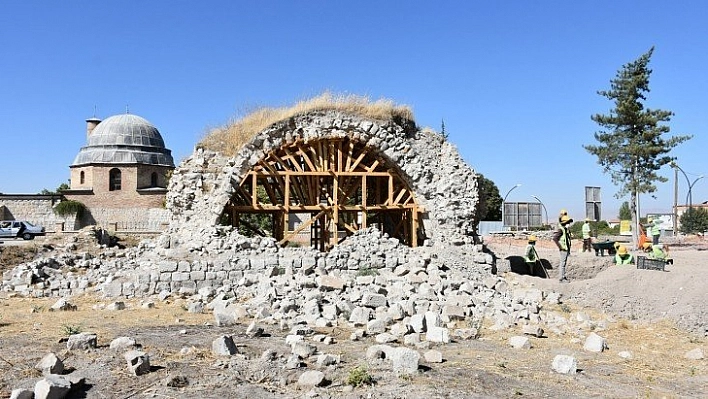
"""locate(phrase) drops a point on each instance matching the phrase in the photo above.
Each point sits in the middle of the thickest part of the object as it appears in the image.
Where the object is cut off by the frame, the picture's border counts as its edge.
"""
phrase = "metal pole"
(689, 196)
(544, 207)
(675, 217)
(688, 182)
(504, 202)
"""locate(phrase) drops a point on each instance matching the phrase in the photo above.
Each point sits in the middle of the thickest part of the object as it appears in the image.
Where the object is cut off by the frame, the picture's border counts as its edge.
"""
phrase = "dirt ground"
(655, 316)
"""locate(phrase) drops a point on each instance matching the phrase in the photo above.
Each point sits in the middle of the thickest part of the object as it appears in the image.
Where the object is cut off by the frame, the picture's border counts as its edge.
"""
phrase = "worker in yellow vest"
(562, 239)
(623, 257)
(530, 255)
(587, 241)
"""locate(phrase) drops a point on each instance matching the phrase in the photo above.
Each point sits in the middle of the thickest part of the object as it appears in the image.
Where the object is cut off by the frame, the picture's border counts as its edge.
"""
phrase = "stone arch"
(443, 185)
(321, 191)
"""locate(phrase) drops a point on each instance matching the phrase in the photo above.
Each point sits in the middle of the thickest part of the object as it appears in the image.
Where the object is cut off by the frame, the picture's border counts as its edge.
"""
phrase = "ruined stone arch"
(321, 191)
(441, 183)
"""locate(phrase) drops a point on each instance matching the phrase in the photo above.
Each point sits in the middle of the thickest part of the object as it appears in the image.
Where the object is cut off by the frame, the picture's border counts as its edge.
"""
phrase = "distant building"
(121, 174)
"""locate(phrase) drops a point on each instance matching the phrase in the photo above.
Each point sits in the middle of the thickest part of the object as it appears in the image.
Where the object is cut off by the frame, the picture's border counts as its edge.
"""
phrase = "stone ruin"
(429, 283)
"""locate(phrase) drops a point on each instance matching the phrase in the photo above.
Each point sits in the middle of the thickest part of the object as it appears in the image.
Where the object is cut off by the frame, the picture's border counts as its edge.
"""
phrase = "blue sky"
(515, 81)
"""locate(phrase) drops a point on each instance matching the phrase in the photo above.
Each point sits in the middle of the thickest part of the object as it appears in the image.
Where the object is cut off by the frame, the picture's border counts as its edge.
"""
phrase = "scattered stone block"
(138, 362)
(385, 338)
(254, 330)
(625, 355)
(520, 342)
(595, 343)
(62, 305)
(565, 364)
(438, 334)
(224, 346)
(21, 394)
(122, 343)
(694, 354)
(433, 356)
(118, 305)
(50, 364)
(311, 378)
(405, 360)
(529, 329)
(52, 386)
(81, 341)
(327, 360)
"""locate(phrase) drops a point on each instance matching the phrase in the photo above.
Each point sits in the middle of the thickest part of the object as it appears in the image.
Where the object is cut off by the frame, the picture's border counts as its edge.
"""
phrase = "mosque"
(120, 176)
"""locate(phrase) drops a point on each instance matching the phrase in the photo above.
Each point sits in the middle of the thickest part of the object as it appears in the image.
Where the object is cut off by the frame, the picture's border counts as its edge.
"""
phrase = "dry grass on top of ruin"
(229, 139)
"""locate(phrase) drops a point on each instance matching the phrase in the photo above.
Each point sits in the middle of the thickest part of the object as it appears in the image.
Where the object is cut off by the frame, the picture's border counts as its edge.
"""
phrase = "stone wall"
(443, 183)
(38, 209)
(35, 208)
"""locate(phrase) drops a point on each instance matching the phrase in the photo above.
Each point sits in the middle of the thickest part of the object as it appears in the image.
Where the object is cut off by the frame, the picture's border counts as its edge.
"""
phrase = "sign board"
(593, 203)
(665, 220)
(625, 227)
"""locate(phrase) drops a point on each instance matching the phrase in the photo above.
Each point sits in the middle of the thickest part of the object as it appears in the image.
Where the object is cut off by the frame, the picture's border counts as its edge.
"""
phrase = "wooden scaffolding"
(339, 184)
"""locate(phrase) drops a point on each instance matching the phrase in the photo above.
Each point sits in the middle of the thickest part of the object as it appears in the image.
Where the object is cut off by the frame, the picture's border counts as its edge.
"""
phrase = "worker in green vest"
(654, 230)
(658, 252)
(623, 257)
(587, 241)
(562, 239)
(530, 255)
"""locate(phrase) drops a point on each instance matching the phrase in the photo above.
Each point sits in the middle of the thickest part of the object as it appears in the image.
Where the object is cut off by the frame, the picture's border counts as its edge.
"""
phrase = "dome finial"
(127, 111)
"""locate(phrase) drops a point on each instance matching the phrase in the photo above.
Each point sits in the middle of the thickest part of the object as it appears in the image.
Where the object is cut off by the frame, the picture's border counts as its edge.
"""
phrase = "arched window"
(114, 179)
(82, 177)
(153, 179)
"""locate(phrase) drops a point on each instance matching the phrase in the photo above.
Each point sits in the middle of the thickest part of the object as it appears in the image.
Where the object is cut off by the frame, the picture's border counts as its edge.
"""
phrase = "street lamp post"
(689, 196)
(544, 208)
(504, 202)
(676, 169)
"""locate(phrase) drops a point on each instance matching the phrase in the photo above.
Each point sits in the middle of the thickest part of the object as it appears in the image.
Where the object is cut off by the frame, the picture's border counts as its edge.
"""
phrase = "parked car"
(20, 228)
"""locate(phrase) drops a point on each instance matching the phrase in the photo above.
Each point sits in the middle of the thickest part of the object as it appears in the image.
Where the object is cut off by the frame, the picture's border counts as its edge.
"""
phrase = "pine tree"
(631, 144)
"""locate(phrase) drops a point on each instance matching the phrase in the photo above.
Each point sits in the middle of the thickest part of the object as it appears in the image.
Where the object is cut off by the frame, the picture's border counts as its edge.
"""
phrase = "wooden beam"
(301, 227)
(359, 158)
(414, 227)
(304, 155)
(294, 161)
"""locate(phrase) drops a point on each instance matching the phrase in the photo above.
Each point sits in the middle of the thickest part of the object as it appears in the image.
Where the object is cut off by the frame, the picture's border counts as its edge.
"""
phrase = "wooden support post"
(335, 208)
(254, 190)
(389, 201)
(414, 227)
(287, 193)
(363, 202)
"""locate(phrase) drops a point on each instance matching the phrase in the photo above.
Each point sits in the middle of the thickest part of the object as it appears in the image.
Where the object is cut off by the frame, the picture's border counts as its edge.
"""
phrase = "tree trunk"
(635, 219)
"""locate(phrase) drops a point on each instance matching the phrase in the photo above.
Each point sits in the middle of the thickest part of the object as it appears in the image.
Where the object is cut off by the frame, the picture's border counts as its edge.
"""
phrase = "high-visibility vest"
(530, 256)
(586, 231)
(564, 238)
(655, 230)
(628, 259)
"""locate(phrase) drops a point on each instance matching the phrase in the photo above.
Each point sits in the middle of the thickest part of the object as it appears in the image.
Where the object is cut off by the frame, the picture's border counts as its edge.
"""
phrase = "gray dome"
(125, 139)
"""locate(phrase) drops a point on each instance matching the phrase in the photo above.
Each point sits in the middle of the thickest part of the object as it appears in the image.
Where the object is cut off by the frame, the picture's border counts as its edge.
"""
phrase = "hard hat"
(565, 219)
(650, 220)
(532, 238)
(563, 212)
(622, 250)
(646, 245)
(617, 245)
(587, 219)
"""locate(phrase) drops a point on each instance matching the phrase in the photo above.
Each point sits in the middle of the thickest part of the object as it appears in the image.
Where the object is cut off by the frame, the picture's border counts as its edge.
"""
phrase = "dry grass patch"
(31, 317)
(229, 139)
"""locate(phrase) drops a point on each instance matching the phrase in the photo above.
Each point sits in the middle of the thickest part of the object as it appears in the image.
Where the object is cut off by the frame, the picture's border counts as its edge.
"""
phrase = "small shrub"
(69, 207)
(71, 329)
(359, 376)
